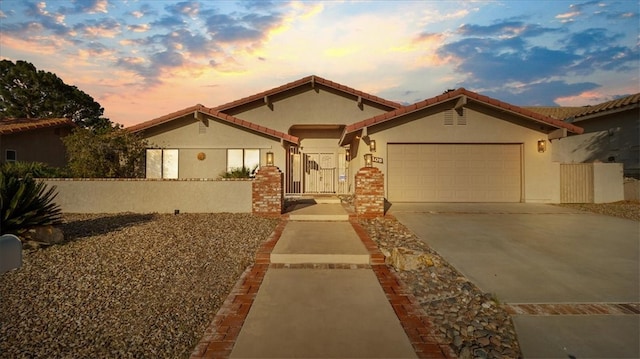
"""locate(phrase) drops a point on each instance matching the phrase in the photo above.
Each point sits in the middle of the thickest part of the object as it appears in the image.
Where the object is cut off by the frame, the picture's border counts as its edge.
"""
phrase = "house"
(459, 146)
(611, 134)
(34, 140)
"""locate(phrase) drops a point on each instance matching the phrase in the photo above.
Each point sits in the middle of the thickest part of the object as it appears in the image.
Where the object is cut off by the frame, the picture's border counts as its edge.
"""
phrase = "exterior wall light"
(368, 160)
(372, 145)
(542, 146)
(347, 155)
(269, 158)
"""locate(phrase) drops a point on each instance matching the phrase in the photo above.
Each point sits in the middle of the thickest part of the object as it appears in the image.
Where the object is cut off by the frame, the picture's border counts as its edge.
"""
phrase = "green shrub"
(240, 172)
(35, 169)
(25, 203)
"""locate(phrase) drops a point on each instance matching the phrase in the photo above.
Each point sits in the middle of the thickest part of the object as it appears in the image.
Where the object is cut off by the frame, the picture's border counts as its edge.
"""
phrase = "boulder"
(45, 235)
(407, 259)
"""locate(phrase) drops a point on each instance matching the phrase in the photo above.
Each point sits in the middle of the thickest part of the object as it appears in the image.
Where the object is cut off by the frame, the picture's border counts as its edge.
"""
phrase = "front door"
(319, 173)
(316, 172)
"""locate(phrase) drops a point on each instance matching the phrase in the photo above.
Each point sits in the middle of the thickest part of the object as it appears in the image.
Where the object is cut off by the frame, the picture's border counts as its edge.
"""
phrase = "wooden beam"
(460, 104)
(197, 115)
(556, 134)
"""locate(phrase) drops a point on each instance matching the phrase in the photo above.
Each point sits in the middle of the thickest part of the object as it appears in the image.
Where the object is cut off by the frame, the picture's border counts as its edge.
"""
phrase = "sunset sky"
(144, 59)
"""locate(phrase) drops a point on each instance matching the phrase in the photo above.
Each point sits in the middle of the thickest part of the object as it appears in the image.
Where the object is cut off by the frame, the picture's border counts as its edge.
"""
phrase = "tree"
(110, 153)
(26, 92)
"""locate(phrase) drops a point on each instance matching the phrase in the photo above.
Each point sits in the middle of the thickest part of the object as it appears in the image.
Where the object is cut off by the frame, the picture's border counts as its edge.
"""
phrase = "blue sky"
(143, 59)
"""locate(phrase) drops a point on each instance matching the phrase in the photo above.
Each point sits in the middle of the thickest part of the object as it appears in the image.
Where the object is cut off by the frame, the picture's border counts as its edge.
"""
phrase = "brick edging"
(220, 336)
(412, 317)
(547, 309)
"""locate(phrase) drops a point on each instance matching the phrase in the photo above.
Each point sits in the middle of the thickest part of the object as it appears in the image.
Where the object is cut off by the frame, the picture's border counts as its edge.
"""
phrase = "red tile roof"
(217, 114)
(303, 81)
(630, 102)
(458, 93)
(15, 125)
(557, 112)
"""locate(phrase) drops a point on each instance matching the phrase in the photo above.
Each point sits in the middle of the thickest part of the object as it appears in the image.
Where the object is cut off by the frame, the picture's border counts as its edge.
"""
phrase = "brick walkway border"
(220, 336)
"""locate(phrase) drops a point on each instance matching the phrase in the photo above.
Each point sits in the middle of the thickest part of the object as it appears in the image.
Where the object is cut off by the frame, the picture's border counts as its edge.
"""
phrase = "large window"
(238, 158)
(162, 163)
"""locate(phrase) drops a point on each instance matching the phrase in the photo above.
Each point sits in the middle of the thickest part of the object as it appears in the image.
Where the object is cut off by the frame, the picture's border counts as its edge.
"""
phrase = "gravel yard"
(622, 209)
(126, 285)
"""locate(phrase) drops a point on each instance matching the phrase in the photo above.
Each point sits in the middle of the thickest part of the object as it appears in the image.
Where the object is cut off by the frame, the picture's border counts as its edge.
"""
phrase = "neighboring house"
(457, 147)
(611, 133)
(34, 140)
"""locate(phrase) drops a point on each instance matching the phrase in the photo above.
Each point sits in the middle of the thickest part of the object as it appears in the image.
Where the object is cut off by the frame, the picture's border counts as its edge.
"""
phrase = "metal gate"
(314, 173)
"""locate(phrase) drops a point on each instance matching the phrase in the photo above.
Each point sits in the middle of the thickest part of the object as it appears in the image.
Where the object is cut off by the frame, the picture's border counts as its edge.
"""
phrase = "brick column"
(268, 192)
(369, 196)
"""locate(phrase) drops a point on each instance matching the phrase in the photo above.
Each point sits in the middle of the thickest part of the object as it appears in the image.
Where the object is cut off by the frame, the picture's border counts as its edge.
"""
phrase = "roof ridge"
(302, 81)
(20, 124)
(215, 113)
(452, 94)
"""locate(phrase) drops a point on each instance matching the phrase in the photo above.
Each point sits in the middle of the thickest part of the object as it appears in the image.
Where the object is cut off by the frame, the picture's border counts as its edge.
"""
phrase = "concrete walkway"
(319, 289)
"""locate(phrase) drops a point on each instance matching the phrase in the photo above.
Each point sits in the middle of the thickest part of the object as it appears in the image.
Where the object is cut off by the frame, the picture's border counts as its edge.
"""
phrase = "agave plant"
(26, 203)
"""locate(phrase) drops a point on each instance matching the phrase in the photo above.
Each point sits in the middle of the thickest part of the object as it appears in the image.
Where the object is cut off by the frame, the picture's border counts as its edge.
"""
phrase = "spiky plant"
(26, 203)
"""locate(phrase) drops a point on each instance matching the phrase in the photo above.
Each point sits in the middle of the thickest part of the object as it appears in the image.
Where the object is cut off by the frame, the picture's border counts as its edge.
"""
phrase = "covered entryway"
(316, 172)
(437, 172)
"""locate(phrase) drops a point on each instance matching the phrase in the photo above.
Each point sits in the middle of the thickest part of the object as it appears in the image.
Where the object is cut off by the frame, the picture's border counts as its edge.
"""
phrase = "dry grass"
(622, 209)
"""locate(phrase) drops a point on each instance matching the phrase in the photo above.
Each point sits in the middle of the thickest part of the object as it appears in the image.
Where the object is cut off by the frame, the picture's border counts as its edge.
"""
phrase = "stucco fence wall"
(152, 196)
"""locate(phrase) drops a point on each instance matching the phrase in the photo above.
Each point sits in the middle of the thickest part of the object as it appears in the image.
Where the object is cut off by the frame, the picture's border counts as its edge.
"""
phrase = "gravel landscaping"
(472, 322)
(622, 209)
(126, 285)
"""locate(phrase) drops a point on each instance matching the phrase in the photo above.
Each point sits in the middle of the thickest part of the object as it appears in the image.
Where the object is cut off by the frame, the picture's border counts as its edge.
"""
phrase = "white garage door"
(454, 172)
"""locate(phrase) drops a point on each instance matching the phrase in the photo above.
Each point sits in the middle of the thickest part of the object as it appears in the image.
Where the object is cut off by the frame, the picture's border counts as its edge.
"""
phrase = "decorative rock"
(46, 235)
(405, 259)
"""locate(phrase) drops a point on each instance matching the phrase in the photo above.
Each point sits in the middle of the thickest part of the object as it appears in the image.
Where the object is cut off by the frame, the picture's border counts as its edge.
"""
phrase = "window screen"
(238, 158)
(11, 156)
(162, 163)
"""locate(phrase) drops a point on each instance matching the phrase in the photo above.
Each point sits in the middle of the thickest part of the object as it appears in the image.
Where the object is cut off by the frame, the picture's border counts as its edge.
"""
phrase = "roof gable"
(302, 82)
(216, 114)
(465, 94)
(16, 125)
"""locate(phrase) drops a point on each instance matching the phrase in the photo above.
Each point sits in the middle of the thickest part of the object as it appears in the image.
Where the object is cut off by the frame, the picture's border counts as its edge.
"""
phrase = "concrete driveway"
(543, 254)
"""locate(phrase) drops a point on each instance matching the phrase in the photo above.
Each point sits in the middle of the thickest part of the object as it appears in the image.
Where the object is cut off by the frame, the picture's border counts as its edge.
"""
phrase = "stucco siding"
(539, 176)
(44, 145)
(320, 106)
(610, 138)
(152, 196)
(190, 139)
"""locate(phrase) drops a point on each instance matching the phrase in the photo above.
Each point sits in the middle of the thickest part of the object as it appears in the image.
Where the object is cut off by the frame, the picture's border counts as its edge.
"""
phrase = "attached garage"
(437, 172)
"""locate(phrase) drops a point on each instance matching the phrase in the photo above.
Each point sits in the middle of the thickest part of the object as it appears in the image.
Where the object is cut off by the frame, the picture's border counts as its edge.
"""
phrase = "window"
(238, 158)
(162, 163)
(11, 156)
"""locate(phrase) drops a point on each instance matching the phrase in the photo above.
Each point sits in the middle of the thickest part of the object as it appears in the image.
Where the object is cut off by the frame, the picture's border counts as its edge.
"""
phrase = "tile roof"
(303, 81)
(217, 114)
(458, 93)
(630, 102)
(15, 125)
(557, 112)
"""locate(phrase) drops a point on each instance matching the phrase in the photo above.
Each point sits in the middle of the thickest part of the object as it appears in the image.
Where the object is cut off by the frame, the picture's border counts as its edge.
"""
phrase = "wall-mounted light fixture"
(368, 160)
(347, 155)
(269, 158)
(542, 146)
(372, 145)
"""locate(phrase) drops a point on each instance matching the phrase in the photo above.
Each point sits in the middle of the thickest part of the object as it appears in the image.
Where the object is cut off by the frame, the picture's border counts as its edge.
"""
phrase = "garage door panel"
(454, 172)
